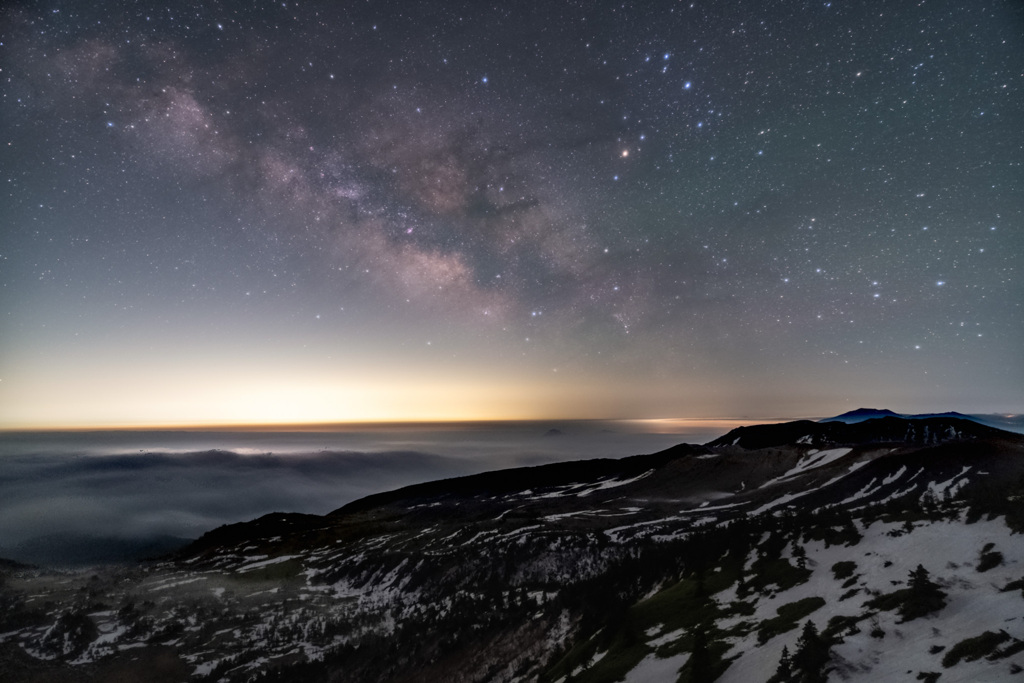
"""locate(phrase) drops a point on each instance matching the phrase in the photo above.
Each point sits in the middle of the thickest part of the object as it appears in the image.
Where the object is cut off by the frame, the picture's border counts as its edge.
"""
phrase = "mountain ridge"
(778, 446)
(699, 562)
(1004, 422)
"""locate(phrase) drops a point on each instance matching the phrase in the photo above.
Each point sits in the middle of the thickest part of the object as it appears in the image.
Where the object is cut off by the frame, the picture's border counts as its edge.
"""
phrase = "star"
(450, 169)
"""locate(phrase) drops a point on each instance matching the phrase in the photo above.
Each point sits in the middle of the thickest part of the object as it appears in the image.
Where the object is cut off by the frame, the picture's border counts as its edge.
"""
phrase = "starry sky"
(256, 212)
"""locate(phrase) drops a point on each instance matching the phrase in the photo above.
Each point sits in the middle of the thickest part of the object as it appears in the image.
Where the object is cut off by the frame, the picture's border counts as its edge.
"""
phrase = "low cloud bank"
(183, 495)
(84, 494)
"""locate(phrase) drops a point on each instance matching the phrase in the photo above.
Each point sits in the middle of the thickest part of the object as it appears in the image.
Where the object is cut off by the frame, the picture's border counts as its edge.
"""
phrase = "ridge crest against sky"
(228, 212)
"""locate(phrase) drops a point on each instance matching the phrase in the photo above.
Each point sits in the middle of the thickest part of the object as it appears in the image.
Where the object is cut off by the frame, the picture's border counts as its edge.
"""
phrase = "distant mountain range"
(878, 549)
(1009, 422)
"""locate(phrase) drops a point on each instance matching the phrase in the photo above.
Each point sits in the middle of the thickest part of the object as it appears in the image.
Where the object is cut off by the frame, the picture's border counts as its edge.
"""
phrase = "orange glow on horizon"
(285, 400)
(659, 425)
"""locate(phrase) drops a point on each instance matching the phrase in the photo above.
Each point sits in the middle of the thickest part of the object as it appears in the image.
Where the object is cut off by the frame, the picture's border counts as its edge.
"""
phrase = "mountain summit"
(861, 414)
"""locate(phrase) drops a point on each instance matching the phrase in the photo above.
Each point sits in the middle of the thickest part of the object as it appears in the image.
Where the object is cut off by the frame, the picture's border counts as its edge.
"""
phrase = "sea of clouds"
(68, 487)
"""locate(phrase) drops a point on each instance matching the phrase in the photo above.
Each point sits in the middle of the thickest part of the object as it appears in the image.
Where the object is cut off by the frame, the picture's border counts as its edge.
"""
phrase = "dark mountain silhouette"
(1006, 422)
(862, 414)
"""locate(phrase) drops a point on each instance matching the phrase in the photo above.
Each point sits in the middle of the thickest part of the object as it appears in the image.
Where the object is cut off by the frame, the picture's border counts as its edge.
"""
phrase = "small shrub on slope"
(1014, 585)
(971, 649)
(843, 570)
(989, 559)
(788, 619)
(922, 597)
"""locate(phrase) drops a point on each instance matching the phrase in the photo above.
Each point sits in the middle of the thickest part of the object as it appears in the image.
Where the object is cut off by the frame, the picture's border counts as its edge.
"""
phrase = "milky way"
(332, 211)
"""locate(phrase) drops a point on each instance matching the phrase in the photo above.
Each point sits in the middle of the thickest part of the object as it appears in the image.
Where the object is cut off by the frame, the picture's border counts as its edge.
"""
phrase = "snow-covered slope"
(883, 648)
(696, 563)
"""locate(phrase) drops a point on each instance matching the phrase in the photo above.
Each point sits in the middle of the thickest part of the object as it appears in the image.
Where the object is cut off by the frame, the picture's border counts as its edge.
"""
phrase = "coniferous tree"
(810, 661)
(947, 501)
(742, 588)
(928, 502)
(801, 555)
(699, 664)
(924, 596)
(784, 672)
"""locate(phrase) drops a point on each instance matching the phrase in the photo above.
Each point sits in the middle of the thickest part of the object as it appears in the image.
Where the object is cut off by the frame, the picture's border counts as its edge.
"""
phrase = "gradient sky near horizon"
(231, 212)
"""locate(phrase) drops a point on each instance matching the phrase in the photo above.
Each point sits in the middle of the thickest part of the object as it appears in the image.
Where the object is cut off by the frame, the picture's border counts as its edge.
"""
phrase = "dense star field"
(246, 212)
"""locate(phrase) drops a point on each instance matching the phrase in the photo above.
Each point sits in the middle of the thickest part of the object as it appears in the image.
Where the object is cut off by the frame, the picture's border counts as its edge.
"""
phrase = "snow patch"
(265, 563)
(815, 459)
(653, 668)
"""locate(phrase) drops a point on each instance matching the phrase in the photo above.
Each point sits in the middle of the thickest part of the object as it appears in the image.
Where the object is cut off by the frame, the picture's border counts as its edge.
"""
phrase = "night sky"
(296, 211)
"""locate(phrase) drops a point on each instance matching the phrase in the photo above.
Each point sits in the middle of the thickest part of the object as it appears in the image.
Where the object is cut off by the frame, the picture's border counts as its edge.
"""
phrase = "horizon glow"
(335, 214)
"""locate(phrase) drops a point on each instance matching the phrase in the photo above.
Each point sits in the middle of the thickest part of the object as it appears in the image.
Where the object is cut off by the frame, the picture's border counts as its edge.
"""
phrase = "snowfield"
(885, 557)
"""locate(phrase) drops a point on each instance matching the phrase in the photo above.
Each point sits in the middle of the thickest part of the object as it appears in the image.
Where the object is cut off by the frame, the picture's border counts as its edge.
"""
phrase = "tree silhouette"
(784, 672)
(810, 661)
(924, 596)
(800, 555)
(700, 664)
